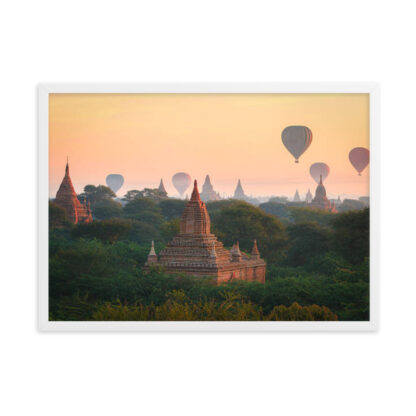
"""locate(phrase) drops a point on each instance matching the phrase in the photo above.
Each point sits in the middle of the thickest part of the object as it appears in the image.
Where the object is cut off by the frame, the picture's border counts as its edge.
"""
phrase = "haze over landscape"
(146, 137)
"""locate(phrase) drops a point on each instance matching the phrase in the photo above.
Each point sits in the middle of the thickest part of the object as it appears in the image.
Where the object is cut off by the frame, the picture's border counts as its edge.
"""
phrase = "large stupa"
(196, 251)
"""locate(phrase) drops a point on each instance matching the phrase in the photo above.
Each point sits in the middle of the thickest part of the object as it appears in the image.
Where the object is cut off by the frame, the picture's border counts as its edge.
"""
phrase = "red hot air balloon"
(318, 169)
(359, 158)
(181, 182)
(296, 140)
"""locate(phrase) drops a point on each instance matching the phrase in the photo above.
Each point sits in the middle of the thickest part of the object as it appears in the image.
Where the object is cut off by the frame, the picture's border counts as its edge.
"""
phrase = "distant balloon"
(114, 182)
(296, 139)
(359, 158)
(181, 182)
(318, 169)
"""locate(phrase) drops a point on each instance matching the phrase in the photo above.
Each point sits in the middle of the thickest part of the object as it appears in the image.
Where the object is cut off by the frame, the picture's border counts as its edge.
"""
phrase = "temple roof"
(66, 188)
(320, 192)
(239, 192)
(195, 218)
(67, 198)
(162, 187)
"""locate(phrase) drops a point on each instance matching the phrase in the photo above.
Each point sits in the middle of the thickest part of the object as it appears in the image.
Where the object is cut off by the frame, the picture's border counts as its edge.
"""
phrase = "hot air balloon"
(181, 182)
(296, 139)
(318, 169)
(114, 182)
(359, 158)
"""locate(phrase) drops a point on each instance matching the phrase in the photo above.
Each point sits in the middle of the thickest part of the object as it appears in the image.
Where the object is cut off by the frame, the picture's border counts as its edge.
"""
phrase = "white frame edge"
(44, 90)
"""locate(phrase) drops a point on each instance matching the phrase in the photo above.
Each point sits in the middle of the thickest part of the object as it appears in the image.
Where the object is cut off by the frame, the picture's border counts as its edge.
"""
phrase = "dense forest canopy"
(317, 262)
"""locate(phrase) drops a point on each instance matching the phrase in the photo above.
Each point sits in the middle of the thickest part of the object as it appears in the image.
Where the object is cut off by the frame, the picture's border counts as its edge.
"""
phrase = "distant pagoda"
(296, 198)
(195, 251)
(66, 198)
(162, 189)
(308, 197)
(208, 193)
(239, 192)
(321, 201)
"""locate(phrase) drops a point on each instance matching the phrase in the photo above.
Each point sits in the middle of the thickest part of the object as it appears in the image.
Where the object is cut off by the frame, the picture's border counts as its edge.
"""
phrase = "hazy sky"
(146, 137)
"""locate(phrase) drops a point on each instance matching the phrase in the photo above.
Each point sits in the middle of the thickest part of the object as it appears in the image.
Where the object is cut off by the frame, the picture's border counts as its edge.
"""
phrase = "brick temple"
(66, 198)
(196, 251)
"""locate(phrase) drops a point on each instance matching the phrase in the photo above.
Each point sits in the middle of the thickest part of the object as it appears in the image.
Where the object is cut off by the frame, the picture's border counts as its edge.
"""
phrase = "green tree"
(170, 229)
(308, 214)
(96, 194)
(351, 205)
(351, 235)
(108, 231)
(144, 232)
(243, 222)
(153, 194)
(306, 240)
(107, 209)
(172, 208)
(136, 207)
(277, 209)
(57, 216)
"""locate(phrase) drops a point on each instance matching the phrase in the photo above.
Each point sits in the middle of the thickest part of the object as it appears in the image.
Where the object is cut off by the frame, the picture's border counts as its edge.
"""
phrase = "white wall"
(205, 374)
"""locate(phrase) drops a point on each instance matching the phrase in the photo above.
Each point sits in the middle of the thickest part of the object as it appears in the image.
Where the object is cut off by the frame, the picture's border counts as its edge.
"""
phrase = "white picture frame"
(245, 88)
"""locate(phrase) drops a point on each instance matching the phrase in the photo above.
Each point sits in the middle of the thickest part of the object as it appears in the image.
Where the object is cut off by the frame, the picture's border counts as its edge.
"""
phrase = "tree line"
(315, 258)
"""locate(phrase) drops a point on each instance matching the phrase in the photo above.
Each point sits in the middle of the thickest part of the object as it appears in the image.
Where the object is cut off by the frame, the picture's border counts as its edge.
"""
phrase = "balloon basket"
(296, 161)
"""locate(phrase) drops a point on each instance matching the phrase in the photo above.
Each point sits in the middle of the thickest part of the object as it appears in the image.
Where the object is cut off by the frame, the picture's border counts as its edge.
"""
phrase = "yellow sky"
(145, 137)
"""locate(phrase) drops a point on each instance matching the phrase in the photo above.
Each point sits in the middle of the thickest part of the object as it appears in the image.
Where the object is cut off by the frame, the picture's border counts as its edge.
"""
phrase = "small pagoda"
(239, 192)
(296, 198)
(66, 198)
(196, 251)
(162, 189)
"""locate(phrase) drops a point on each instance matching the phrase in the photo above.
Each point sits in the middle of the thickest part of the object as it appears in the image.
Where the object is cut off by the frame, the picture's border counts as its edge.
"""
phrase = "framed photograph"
(208, 207)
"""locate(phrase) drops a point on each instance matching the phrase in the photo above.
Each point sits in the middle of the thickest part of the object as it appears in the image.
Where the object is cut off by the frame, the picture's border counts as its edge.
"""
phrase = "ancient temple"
(208, 193)
(296, 198)
(239, 192)
(66, 198)
(162, 189)
(196, 251)
(321, 201)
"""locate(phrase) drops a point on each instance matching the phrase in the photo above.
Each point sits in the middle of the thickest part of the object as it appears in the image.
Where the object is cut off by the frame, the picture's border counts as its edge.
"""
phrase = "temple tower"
(255, 251)
(162, 189)
(208, 193)
(239, 192)
(196, 251)
(195, 218)
(321, 201)
(152, 257)
(296, 198)
(66, 198)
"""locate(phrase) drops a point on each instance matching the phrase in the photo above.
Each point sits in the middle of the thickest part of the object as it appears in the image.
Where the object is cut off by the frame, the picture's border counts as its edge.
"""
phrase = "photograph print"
(208, 207)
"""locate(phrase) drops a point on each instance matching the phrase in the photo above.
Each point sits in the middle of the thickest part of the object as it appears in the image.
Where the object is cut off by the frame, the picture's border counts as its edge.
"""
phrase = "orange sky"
(146, 137)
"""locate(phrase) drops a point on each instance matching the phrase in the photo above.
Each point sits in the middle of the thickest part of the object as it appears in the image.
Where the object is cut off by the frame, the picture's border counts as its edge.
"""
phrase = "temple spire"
(236, 253)
(320, 179)
(67, 198)
(255, 251)
(195, 193)
(152, 257)
(162, 187)
(239, 192)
